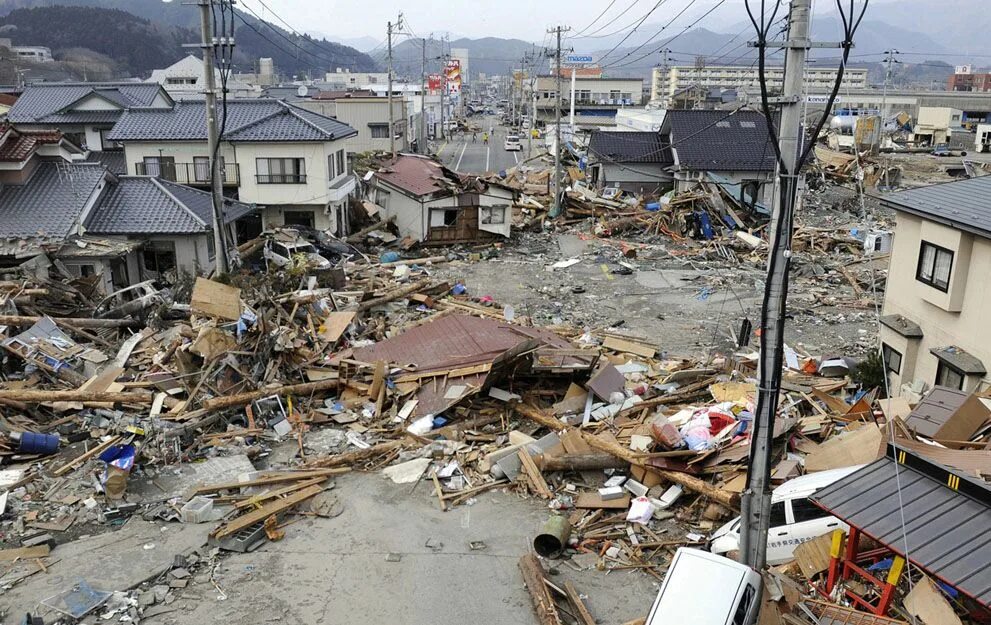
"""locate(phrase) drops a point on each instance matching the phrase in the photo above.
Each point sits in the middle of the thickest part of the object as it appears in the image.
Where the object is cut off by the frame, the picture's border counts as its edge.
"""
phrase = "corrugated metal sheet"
(947, 517)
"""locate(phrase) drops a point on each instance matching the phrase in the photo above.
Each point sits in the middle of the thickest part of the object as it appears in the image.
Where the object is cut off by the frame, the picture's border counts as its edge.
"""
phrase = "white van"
(701, 588)
(794, 519)
(513, 143)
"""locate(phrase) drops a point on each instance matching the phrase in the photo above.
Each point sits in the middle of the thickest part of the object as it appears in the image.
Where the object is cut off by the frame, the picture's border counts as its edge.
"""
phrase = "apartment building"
(667, 81)
(596, 99)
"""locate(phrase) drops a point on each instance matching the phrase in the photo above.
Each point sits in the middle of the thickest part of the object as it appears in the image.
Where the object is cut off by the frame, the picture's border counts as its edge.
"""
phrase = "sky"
(520, 19)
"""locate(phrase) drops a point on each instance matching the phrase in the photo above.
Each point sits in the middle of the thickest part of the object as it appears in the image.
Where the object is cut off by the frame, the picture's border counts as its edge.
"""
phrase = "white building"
(185, 79)
(356, 80)
(287, 160)
(669, 80)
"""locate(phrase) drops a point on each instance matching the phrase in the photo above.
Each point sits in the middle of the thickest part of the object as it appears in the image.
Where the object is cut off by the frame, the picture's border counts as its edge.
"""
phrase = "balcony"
(281, 178)
(339, 188)
(193, 174)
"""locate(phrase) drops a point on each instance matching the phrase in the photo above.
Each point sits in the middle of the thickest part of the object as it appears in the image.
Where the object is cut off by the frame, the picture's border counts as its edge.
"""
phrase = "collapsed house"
(437, 206)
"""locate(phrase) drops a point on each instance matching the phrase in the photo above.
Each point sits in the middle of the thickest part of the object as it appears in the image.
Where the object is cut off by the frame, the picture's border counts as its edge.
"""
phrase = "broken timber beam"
(579, 462)
(543, 603)
(263, 512)
(21, 320)
(353, 457)
(394, 295)
(242, 399)
(35, 397)
(357, 236)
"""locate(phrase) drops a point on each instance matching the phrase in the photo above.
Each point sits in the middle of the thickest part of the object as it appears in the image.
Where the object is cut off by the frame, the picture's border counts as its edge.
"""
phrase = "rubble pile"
(238, 408)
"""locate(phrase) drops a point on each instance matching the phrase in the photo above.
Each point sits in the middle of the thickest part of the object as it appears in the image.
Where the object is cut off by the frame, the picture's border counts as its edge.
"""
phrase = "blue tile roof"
(247, 121)
(48, 103)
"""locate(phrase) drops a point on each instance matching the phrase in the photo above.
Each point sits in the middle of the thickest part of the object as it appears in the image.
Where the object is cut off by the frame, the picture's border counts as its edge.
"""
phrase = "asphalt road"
(463, 155)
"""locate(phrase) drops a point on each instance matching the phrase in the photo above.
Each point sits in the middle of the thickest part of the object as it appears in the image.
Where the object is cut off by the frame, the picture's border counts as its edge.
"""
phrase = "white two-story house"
(935, 322)
(288, 161)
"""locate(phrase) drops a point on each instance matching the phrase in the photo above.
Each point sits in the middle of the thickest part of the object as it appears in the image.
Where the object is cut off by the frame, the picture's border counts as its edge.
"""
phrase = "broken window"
(493, 214)
(934, 267)
(159, 256)
(298, 218)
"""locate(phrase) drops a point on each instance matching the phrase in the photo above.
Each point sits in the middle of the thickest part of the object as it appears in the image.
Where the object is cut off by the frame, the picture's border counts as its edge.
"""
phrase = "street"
(461, 154)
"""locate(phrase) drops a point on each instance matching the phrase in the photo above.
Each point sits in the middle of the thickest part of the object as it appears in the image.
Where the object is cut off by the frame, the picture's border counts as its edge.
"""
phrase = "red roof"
(8, 99)
(417, 174)
(21, 144)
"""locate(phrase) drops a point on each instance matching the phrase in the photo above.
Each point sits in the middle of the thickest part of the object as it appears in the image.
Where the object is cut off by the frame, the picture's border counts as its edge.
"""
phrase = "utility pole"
(392, 133)
(422, 140)
(888, 62)
(756, 500)
(664, 82)
(443, 58)
(207, 43)
(557, 207)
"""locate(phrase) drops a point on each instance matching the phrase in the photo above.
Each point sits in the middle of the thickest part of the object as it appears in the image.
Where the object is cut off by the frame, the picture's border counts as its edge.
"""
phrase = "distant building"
(596, 99)
(667, 81)
(185, 79)
(934, 327)
(37, 54)
(965, 79)
(356, 80)
(935, 125)
(368, 115)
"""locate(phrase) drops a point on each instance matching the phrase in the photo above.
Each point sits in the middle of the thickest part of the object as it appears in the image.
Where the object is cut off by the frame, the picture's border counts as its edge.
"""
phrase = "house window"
(934, 267)
(160, 167)
(451, 217)
(211, 247)
(892, 359)
(159, 256)
(281, 170)
(335, 164)
(298, 218)
(379, 131)
(949, 376)
(106, 144)
(493, 214)
(382, 198)
(341, 163)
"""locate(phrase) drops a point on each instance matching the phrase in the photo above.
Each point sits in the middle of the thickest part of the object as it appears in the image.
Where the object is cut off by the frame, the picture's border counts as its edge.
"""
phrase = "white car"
(512, 143)
(794, 518)
(705, 589)
(281, 253)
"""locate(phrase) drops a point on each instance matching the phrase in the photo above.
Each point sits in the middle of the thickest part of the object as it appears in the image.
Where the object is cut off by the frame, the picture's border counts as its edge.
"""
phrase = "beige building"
(935, 322)
(666, 81)
(367, 115)
(596, 99)
(935, 124)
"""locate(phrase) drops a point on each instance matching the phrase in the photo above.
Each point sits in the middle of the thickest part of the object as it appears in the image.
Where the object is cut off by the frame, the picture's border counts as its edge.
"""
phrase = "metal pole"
(392, 131)
(556, 210)
(206, 41)
(423, 100)
(756, 501)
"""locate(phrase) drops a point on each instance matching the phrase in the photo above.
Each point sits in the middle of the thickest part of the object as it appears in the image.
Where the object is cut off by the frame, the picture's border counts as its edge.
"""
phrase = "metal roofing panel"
(911, 508)
(50, 203)
(630, 147)
(964, 204)
(719, 141)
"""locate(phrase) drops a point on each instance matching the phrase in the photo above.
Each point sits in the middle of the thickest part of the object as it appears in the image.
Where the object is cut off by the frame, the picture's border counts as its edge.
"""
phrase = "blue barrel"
(34, 443)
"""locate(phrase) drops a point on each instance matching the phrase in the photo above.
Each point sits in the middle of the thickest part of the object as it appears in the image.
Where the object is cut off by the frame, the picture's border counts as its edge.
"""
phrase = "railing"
(281, 178)
(189, 173)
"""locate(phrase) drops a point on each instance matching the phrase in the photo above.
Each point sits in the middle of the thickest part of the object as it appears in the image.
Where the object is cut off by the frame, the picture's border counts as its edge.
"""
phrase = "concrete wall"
(958, 317)
(359, 112)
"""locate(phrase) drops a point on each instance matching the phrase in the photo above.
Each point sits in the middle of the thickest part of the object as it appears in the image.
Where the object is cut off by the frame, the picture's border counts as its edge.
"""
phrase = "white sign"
(820, 99)
(578, 59)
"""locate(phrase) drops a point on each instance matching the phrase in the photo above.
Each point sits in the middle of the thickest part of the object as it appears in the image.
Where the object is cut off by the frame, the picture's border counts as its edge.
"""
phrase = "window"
(746, 600)
(298, 218)
(804, 510)
(382, 198)
(892, 359)
(451, 217)
(211, 246)
(778, 514)
(201, 168)
(281, 170)
(104, 143)
(159, 256)
(336, 164)
(493, 214)
(341, 163)
(949, 376)
(935, 263)
(159, 167)
(379, 131)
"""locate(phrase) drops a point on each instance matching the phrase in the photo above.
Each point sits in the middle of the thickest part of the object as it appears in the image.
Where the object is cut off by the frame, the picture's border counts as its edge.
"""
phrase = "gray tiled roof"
(113, 160)
(247, 120)
(45, 103)
(963, 204)
(51, 202)
(629, 147)
(719, 141)
(146, 205)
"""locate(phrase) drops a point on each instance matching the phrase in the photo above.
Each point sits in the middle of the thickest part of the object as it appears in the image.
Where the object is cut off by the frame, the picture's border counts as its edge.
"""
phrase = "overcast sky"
(521, 19)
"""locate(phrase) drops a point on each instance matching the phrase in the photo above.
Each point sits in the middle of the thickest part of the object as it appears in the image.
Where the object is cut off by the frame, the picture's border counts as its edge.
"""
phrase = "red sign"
(434, 82)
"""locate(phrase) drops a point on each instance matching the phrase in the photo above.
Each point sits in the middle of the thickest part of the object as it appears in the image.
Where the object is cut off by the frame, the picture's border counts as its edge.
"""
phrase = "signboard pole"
(573, 71)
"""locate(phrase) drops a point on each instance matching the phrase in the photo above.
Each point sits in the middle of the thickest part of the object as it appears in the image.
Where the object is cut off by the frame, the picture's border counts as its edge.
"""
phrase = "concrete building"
(935, 125)
(290, 161)
(666, 81)
(36, 54)
(369, 116)
(356, 80)
(596, 99)
(185, 79)
(935, 322)
(964, 78)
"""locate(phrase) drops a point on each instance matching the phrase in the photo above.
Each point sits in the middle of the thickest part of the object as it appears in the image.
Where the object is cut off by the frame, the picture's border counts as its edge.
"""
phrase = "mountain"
(363, 44)
(177, 23)
(489, 55)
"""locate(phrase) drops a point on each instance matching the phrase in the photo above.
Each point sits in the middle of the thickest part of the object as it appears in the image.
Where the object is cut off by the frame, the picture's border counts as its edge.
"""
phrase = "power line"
(593, 35)
(592, 23)
(668, 42)
(642, 20)
(663, 28)
(313, 42)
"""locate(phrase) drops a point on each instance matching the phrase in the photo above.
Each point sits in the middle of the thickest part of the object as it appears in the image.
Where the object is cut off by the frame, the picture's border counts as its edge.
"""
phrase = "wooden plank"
(927, 603)
(813, 555)
(619, 345)
(334, 325)
(214, 299)
(291, 476)
(25, 553)
(254, 500)
(594, 501)
(80, 459)
(543, 603)
(262, 513)
(439, 491)
(534, 475)
(584, 617)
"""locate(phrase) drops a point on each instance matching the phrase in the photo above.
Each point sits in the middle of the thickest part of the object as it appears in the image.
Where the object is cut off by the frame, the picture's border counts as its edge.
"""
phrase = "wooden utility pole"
(390, 27)
(557, 207)
(422, 139)
(207, 44)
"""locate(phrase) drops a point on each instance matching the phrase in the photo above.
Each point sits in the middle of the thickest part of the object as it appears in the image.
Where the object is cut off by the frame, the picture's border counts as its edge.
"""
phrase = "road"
(474, 157)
